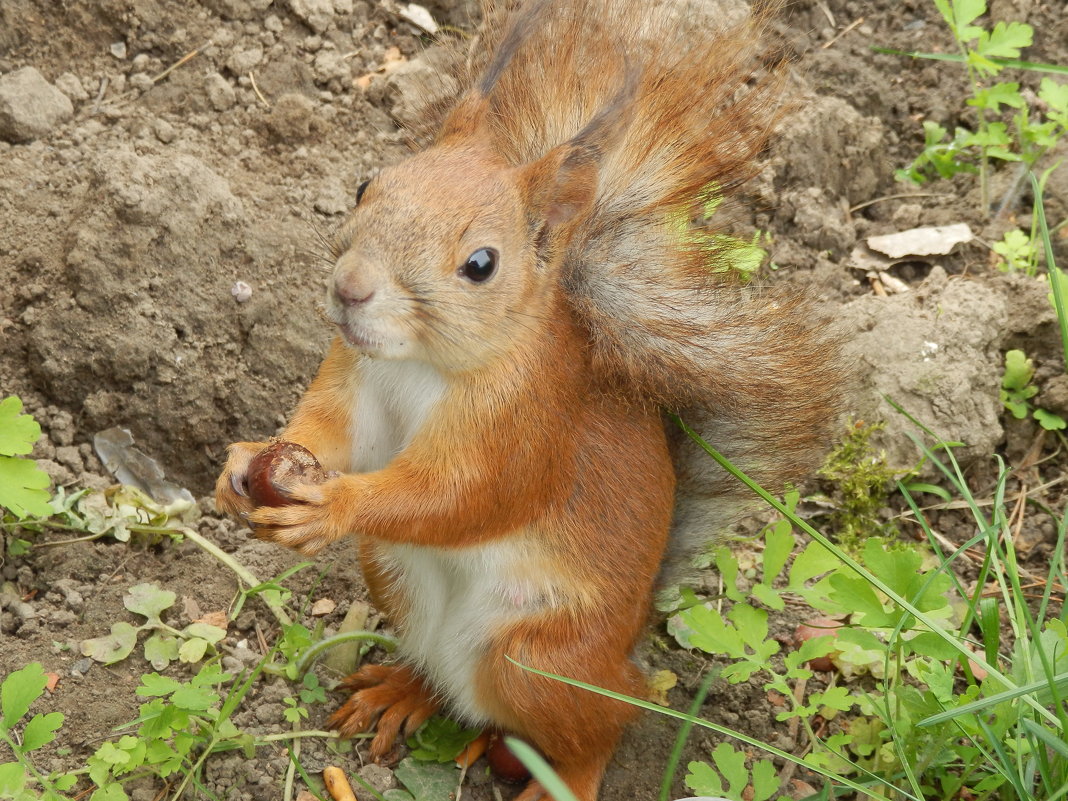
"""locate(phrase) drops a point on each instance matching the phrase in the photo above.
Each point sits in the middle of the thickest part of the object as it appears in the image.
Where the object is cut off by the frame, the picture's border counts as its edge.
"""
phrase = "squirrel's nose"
(350, 292)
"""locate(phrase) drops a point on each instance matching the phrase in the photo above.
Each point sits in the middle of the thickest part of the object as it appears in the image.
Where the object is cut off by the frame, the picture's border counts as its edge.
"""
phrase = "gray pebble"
(30, 107)
(164, 131)
(70, 85)
(220, 92)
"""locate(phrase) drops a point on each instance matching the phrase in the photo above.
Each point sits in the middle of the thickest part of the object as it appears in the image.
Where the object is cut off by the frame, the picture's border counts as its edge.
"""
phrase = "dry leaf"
(53, 680)
(420, 17)
(659, 684)
(936, 240)
(775, 699)
(324, 606)
(217, 619)
(391, 59)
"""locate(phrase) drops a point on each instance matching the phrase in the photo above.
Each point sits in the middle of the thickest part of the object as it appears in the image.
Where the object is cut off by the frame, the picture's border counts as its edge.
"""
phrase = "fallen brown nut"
(818, 627)
(504, 764)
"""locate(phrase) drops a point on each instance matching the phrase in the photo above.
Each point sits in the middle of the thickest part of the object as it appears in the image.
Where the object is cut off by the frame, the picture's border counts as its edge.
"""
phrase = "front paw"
(316, 515)
(231, 489)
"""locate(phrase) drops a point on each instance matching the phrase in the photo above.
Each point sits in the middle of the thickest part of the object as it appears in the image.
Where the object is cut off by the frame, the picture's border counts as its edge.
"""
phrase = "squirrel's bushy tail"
(686, 107)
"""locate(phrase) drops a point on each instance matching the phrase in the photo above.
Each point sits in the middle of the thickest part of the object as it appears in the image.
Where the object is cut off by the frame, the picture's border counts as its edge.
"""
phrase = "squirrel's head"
(452, 257)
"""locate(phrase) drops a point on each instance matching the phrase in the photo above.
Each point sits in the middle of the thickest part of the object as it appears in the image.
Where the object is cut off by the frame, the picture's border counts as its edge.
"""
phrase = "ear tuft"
(467, 119)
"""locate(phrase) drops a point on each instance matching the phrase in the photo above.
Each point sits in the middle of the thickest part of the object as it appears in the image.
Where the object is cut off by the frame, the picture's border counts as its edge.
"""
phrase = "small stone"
(164, 131)
(220, 92)
(316, 14)
(62, 618)
(269, 713)
(241, 291)
(241, 62)
(59, 474)
(141, 81)
(81, 667)
(75, 600)
(223, 37)
(70, 456)
(30, 107)
(118, 49)
(232, 665)
(331, 64)
(22, 610)
(378, 776)
(70, 85)
(1055, 395)
(293, 118)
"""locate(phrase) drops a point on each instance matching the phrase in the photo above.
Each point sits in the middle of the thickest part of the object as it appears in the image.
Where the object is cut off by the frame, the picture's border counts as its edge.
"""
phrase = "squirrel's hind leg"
(576, 730)
(394, 694)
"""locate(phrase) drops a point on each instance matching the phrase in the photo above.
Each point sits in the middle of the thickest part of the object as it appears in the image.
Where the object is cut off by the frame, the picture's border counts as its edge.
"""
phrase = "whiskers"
(327, 246)
(445, 325)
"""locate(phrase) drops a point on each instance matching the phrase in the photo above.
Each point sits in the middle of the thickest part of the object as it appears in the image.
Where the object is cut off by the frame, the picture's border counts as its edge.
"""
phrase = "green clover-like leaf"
(23, 488)
(114, 647)
(161, 650)
(18, 432)
(192, 650)
(41, 730)
(148, 600)
(20, 689)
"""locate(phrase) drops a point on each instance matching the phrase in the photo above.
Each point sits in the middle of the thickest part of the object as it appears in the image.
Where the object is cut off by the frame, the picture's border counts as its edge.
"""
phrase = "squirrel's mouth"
(360, 339)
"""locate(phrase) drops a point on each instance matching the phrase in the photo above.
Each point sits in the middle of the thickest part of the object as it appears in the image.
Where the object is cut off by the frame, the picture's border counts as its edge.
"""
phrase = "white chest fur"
(457, 599)
(393, 401)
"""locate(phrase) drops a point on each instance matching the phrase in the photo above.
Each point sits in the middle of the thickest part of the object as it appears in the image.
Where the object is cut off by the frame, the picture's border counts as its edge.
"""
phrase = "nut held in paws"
(281, 464)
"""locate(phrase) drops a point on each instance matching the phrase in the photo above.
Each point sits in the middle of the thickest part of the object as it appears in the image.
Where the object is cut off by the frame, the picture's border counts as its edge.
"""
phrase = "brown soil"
(127, 226)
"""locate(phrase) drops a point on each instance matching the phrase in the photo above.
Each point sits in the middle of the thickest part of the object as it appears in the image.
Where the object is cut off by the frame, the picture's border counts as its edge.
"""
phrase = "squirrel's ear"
(561, 185)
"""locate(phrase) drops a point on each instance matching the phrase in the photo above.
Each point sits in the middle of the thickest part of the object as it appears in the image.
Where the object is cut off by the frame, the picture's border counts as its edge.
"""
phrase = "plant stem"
(239, 570)
(313, 652)
(293, 735)
(25, 762)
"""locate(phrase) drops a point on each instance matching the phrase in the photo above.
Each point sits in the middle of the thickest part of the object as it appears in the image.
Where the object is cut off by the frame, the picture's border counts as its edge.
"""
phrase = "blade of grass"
(993, 700)
(540, 770)
(684, 733)
(1015, 63)
(1002, 762)
(737, 735)
(1059, 301)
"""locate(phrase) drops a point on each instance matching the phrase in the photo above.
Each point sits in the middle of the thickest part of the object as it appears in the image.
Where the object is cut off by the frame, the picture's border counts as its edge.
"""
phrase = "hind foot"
(394, 694)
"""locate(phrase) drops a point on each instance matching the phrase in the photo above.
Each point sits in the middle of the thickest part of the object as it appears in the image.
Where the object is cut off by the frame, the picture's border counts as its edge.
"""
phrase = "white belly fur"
(393, 401)
(457, 597)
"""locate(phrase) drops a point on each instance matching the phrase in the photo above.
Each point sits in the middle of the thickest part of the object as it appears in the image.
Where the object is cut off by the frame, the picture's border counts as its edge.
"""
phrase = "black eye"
(480, 265)
(360, 190)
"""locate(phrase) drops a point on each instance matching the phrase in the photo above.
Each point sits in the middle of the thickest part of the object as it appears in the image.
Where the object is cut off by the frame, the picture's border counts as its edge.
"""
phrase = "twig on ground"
(842, 33)
(256, 89)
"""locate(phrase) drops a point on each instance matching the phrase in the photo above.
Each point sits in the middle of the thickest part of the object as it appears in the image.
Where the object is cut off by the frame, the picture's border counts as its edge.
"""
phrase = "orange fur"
(515, 305)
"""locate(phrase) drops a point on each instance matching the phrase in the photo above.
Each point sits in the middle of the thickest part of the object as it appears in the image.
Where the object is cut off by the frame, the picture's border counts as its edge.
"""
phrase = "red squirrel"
(517, 305)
